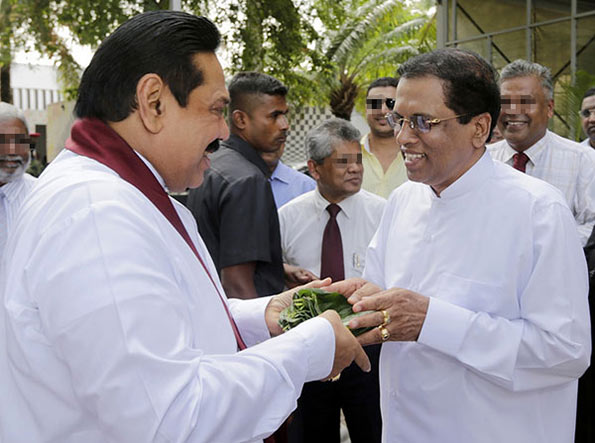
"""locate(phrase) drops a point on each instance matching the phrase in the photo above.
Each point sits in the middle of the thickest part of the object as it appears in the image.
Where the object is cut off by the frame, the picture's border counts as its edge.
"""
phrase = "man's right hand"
(347, 348)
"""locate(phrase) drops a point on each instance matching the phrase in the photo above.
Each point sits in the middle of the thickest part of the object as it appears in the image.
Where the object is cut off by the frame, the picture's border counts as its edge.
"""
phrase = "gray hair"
(10, 112)
(321, 140)
(524, 68)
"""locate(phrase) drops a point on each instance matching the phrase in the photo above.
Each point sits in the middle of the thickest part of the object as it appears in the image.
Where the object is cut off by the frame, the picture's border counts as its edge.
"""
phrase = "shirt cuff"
(249, 316)
(445, 326)
(318, 339)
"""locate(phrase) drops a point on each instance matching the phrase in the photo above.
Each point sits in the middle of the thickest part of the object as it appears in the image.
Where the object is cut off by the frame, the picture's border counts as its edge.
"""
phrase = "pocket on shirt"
(474, 295)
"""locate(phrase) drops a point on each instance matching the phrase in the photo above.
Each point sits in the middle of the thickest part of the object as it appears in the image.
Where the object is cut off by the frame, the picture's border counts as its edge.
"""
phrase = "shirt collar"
(248, 152)
(153, 170)
(348, 206)
(282, 173)
(471, 180)
(534, 152)
(365, 142)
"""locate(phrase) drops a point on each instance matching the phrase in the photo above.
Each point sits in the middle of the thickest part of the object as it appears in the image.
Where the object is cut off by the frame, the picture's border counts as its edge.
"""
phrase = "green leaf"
(309, 303)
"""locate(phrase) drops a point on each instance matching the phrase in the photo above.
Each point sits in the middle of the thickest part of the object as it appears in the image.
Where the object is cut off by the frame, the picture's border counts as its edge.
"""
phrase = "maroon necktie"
(519, 161)
(92, 138)
(331, 259)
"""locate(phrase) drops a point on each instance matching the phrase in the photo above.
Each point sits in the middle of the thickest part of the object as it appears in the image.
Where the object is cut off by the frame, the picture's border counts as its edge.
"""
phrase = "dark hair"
(469, 82)
(589, 93)
(160, 42)
(244, 84)
(383, 81)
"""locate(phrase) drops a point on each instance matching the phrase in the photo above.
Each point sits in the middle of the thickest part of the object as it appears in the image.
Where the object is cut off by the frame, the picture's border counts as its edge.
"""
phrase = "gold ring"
(336, 377)
(384, 333)
(386, 318)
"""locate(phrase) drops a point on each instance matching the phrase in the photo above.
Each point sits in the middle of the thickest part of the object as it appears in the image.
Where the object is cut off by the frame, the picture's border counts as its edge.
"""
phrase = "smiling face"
(188, 131)
(266, 123)
(447, 151)
(588, 123)
(525, 111)
(14, 150)
(374, 114)
(340, 174)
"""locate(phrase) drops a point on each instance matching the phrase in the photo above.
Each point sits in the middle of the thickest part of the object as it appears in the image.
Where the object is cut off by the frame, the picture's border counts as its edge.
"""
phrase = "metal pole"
(453, 20)
(442, 24)
(573, 24)
(528, 33)
(175, 5)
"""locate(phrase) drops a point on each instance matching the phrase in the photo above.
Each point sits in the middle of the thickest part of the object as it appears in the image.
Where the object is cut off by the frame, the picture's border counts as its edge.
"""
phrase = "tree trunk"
(5, 90)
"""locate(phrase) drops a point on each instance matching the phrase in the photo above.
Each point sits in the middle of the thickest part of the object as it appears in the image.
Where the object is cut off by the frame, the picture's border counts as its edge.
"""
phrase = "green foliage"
(309, 303)
(324, 50)
(373, 39)
(569, 102)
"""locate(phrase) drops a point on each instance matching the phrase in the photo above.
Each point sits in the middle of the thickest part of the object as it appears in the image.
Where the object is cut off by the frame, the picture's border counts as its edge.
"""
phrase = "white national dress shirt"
(302, 222)
(12, 195)
(587, 142)
(565, 164)
(114, 333)
(507, 330)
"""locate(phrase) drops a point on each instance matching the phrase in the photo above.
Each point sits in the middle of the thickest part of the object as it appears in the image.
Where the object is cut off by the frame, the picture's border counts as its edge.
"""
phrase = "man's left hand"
(406, 311)
(282, 301)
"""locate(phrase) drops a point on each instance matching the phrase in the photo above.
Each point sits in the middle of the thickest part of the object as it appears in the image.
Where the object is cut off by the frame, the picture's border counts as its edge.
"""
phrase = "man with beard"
(14, 159)
(234, 208)
(384, 169)
(527, 94)
(587, 113)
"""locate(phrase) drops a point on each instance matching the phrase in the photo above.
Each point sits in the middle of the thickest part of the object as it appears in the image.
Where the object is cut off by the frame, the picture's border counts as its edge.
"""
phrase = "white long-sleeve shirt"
(114, 333)
(507, 330)
(567, 165)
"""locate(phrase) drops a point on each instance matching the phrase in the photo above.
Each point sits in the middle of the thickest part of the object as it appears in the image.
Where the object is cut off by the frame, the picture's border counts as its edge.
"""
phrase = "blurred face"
(525, 111)
(340, 174)
(14, 150)
(376, 109)
(266, 123)
(188, 131)
(442, 155)
(588, 122)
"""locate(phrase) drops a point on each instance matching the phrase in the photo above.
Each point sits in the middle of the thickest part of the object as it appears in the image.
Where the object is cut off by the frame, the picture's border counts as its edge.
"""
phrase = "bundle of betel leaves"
(309, 303)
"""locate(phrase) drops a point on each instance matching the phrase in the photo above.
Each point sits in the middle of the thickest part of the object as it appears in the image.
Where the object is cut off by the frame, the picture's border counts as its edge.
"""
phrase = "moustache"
(12, 158)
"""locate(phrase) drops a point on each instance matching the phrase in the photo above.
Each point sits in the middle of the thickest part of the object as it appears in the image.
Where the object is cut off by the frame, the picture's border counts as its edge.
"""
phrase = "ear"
(312, 168)
(481, 129)
(239, 119)
(150, 91)
(550, 108)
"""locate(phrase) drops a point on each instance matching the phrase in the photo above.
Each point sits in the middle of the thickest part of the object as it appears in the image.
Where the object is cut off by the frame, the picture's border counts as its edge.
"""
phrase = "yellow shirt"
(375, 179)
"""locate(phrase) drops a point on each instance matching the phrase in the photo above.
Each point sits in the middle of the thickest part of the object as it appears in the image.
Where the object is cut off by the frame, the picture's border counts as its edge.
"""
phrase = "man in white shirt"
(480, 271)
(587, 114)
(384, 169)
(335, 162)
(527, 95)
(115, 325)
(15, 157)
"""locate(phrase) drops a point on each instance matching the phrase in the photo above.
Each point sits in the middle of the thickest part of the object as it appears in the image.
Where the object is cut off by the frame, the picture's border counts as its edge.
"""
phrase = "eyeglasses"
(586, 113)
(421, 123)
(376, 103)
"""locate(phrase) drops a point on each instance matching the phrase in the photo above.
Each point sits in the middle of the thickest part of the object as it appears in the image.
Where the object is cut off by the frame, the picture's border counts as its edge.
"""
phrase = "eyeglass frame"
(414, 125)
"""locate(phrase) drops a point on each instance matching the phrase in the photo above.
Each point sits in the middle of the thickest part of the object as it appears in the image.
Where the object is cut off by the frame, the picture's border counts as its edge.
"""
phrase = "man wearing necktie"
(326, 232)
(527, 95)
